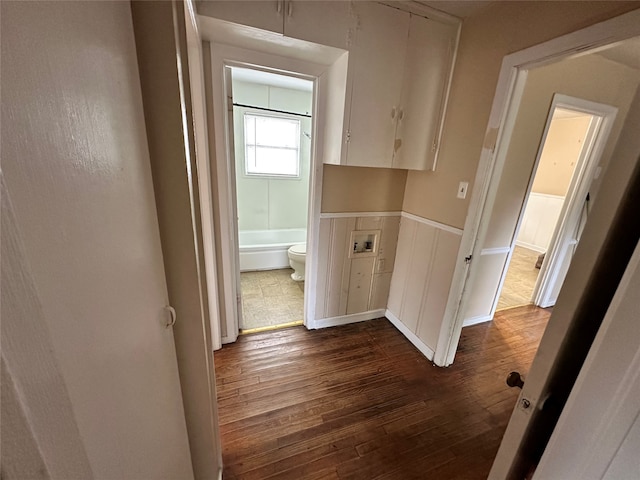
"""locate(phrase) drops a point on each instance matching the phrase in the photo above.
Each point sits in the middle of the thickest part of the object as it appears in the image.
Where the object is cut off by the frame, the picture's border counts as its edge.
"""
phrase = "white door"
(598, 434)
(84, 324)
(233, 204)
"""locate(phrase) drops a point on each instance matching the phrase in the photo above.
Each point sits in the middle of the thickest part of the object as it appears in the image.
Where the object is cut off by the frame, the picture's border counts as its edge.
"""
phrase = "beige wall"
(500, 29)
(591, 78)
(562, 147)
(358, 189)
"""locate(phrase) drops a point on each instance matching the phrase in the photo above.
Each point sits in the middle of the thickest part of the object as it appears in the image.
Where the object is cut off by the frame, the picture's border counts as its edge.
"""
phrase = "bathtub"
(267, 249)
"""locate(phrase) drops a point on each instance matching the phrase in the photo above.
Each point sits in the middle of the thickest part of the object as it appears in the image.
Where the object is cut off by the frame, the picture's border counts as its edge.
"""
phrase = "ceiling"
(560, 113)
(627, 53)
(272, 79)
(461, 8)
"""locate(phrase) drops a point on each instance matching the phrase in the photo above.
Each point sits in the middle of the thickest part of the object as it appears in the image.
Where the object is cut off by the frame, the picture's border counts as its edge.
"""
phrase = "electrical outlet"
(380, 265)
(462, 189)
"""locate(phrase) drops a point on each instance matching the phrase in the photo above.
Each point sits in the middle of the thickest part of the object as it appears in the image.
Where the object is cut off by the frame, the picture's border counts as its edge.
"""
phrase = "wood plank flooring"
(360, 402)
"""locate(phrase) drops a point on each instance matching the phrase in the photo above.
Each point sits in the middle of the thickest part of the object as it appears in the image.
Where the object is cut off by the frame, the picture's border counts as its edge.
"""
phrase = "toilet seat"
(300, 249)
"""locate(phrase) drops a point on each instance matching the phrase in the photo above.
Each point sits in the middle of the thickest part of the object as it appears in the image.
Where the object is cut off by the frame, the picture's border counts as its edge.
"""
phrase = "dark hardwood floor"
(360, 402)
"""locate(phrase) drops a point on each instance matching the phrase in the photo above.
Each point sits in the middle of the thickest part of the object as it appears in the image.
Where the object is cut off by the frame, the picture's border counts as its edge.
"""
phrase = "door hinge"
(467, 259)
(347, 136)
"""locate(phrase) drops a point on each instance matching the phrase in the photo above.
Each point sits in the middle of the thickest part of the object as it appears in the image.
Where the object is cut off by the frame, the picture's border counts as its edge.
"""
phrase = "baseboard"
(347, 319)
(475, 320)
(412, 337)
(531, 246)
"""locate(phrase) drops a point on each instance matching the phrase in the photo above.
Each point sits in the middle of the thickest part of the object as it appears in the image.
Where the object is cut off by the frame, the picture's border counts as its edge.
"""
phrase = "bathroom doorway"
(557, 205)
(272, 127)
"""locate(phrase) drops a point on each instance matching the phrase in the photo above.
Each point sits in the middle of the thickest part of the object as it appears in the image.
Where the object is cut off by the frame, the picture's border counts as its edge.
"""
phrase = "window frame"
(279, 116)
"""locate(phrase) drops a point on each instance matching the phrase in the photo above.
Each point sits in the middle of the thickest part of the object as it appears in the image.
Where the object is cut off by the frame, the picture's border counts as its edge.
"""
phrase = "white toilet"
(297, 255)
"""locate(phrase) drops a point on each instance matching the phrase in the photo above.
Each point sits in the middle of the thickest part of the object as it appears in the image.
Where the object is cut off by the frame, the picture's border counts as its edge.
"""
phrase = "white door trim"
(595, 141)
(506, 101)
(223, 56)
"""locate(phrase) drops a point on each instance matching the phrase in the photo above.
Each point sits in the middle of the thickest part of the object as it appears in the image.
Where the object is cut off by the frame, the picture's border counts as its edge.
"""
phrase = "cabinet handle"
(401, 114)
(290, 9)
(393, 113)
(279, 6)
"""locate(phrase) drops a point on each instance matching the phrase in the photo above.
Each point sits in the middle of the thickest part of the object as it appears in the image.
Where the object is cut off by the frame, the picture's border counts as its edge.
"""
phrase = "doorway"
(562, 153)
(272, 124)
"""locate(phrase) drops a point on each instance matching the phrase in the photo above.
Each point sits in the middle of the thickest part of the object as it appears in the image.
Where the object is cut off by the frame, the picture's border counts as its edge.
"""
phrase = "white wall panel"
(380, 291)
(346, 285)
(402, 262)
(360, 278)
(539, 221)
(424, 266)
(437, 289)
(416, 281)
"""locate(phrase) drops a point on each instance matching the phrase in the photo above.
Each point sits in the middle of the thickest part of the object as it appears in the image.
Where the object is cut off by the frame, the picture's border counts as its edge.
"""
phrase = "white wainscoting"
(353, 289)
(424, 265)
(539, 221)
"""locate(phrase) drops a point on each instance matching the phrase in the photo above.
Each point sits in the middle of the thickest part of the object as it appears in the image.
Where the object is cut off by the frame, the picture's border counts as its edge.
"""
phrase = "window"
(272, 145)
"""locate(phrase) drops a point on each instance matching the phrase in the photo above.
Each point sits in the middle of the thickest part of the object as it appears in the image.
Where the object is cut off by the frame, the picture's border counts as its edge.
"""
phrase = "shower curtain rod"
(271, 110)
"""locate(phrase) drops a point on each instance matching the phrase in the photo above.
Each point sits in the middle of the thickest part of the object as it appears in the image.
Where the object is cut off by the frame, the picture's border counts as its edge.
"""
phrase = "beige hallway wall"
(591, 78)
(500, 29)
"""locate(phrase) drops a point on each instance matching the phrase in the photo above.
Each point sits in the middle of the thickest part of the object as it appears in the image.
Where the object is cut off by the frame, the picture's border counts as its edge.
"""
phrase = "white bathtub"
(267, 249)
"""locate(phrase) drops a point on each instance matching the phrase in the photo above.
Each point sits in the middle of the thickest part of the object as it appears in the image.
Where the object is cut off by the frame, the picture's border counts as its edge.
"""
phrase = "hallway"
(360, 402)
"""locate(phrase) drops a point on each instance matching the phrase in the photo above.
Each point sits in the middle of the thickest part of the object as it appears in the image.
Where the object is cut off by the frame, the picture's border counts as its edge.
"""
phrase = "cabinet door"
(323, 22)
(378, 62)
(428, 66)
(267, 14)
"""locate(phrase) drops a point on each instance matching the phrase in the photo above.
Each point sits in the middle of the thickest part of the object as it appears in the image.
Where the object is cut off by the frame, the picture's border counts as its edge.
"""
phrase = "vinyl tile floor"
(521, 279)
(270, 298)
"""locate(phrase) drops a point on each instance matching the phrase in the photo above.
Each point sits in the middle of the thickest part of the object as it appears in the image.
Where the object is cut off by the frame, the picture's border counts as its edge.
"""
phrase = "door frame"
(223, 56)
(581, 180)
(506, 102)
(231, 164)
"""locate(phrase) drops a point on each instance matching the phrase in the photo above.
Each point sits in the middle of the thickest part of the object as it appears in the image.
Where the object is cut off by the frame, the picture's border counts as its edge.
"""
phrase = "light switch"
(462, 189)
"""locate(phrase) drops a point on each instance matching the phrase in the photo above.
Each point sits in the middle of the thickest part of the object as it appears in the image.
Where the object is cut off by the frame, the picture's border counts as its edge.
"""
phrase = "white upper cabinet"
(264, 14)
(393, 84)
(324, 22)
(401, 66)
(428, 64)
(376, 65)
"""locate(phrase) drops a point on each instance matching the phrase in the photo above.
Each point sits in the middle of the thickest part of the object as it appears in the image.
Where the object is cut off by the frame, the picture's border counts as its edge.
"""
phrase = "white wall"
(347, 285)
(268, 203)
(539, 221)
(424, 265)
